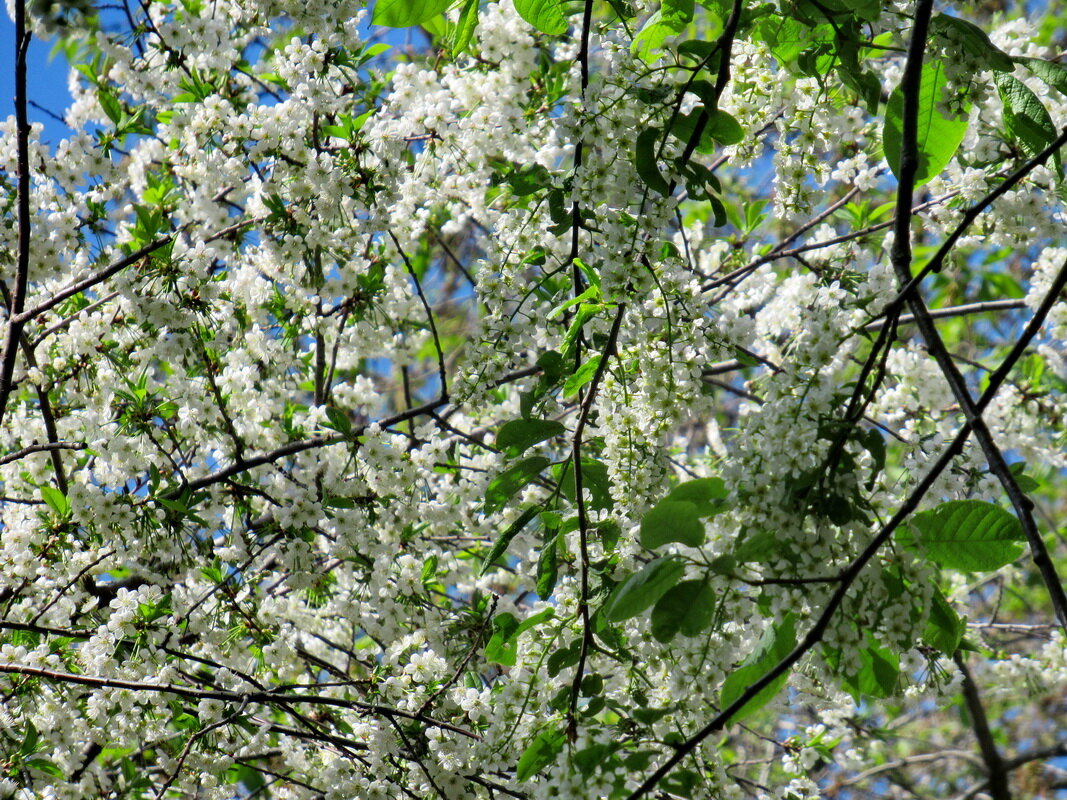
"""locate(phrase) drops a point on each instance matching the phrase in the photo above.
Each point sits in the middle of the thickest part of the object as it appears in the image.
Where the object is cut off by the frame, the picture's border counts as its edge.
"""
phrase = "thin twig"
(429, 319)
(583, 518)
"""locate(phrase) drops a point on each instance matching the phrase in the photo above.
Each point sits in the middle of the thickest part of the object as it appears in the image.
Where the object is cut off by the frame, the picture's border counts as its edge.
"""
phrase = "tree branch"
(994, 764)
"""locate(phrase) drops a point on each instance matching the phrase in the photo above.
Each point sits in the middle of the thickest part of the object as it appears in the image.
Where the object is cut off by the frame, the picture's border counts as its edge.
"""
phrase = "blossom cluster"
(363, 370)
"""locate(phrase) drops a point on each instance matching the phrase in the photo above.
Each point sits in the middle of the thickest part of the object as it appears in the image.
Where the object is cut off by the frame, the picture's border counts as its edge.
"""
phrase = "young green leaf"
(944, 628)
(686, 608)
(975, 42)
(968, 535)
(878, 675)
(709, 494)
(517, 435)
(724, 129)
(545, 15)
(56, 500)
(938, 136)
(338, 420)
(684, 128)
(645, 160)
(643, 588)
(595, 482)
(669, 19)
(582, 376)
(590, 293)
(775, 644)
(541, 752)
(405, 13)
(759, 547)
(502, 647)
(1025, 117)
(464, 29)
(586, 311)
(502, 542)
(563, 657)
(1025, 482)
(547, 569)
(672, 521)
(508, 482)
(1055, 75)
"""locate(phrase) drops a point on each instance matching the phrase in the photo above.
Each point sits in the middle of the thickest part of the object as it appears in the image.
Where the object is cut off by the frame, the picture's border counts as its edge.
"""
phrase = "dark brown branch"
(972, 213)
(583, 519)
(245, 464)
(994, 764)
(40, 448)
(22, 256)
(955, 311)
(88, 283)
(264, 697)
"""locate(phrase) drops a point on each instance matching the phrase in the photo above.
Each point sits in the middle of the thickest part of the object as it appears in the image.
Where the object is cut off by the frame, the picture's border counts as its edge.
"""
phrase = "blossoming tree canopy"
(535, 399)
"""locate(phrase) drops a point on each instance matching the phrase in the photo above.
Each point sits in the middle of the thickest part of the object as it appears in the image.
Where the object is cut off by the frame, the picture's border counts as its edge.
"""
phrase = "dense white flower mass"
(522, 399)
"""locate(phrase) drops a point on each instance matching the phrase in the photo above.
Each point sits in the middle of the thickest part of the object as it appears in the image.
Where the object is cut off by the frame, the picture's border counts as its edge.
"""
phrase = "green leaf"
(676, 14)
(682, 783)
(30, 738)
(547, 569)
(516, 436)
(709, 494)
(110, 105)
(339, 420)
(672, 521)
(1024, 481)
(595, 482)
(786, 37)
(938, 136)
(529, 179)
(502, 542)
(878, 675)
(975, 42)
(684, 128)
(874, 443)
(759, 548)
(56, 500)
(669, 19)
(590, 293)
(648, 42)
(724, 129)
(582, 376)
(564, 657)
(589, 272)
(643, 588)
(586, 311)
(545, 15)
(1025, 117)
(775, 644)
(686, 608)
(508, 482)
(45, 766)
(552, 367)
(968, 535)
(944, 628)
(541, 752)
(1055, 75)
(405, 13)
(464, 30)
(502, 647)
(645, 160)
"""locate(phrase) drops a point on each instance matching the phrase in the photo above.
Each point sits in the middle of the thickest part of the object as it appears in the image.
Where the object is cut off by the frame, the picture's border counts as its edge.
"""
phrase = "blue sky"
(47, 80)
